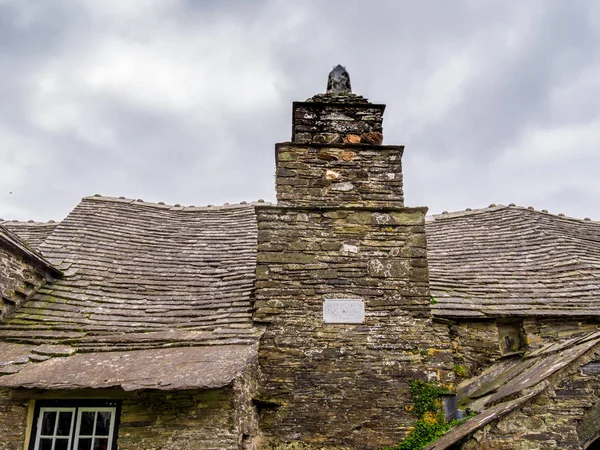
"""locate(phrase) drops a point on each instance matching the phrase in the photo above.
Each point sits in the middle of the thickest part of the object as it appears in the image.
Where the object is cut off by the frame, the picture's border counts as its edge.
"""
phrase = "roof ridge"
(175, 207)
(498, 207)
(28, 222)
(465, 212)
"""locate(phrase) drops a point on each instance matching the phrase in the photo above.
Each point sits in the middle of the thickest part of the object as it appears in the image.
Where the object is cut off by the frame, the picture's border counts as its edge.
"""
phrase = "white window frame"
(81, 410)
(57, 410)
(74, 434)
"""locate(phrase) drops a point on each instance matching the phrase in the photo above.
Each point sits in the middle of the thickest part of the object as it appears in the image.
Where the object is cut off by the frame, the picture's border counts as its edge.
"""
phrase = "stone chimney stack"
(342, 282)
(336, 156)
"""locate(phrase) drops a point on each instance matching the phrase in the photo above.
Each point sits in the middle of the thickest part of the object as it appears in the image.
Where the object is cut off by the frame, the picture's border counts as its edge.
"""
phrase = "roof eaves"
(13, 241)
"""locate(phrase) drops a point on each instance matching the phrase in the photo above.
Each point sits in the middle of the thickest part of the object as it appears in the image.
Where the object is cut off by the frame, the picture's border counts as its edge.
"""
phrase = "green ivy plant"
(425, 433)
(431, 424)
(426, 396)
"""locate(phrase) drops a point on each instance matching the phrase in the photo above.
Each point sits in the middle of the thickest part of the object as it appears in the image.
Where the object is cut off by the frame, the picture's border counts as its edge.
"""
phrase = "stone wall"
(476, 345)
(563, 416)
(19, 278)
(344, 384)
(351, 175)
(539, 331)
(245, 389)
(325, 122)
(13, 421)
(179, 421)
(216, 419)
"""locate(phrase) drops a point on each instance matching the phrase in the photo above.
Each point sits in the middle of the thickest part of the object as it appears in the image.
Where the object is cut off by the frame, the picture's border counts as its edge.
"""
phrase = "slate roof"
(33, 233)
(513, 261)
(180, 368)
(143, 277)
(493, 262)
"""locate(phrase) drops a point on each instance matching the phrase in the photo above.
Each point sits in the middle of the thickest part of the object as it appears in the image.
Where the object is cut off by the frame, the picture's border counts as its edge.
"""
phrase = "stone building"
(301, 324)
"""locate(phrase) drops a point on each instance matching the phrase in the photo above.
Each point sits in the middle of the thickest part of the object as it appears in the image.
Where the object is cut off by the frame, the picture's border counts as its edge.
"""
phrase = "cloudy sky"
(181, 101)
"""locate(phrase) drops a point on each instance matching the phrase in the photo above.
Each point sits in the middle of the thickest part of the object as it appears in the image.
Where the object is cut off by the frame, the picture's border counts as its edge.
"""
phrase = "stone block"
(389, 268)
(335, 175)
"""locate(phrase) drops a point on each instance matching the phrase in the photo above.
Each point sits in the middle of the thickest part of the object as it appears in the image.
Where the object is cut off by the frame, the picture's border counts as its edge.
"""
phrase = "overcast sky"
(182, 101)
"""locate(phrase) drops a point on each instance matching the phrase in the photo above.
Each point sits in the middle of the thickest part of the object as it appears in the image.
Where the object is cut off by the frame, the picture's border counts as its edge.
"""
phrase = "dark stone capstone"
(339, 81)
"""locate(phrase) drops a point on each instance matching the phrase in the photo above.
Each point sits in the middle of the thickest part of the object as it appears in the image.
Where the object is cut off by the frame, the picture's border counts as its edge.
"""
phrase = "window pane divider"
(74, 435)
(53, 436)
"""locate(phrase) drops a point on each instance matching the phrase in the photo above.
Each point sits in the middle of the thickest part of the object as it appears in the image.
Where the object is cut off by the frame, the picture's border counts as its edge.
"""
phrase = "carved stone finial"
(339, 81)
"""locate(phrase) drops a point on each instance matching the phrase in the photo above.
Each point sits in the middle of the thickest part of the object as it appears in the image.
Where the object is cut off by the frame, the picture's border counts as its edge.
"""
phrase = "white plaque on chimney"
(343, 310)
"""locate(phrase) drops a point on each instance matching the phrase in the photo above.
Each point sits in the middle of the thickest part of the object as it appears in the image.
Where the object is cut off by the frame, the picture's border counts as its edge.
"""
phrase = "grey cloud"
(391, 49)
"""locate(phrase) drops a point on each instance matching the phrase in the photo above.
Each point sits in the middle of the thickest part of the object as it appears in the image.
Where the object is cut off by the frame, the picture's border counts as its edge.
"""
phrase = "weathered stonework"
(344, 384)
(564, 416)
(539, 331)
(329, 119)
(13, 421)
(246, 411)
(179, 421)
(340, 231)
(189, 420)
(352, 175)
(475, 344)
(19, 279)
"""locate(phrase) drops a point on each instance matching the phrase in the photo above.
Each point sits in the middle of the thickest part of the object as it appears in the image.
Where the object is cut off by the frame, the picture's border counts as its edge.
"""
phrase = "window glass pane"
(64, 423)
(100, 444)
(61, 444)
(45, 444)
(48, 422)
(87, 424)
(84, 444)
(103, 423)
